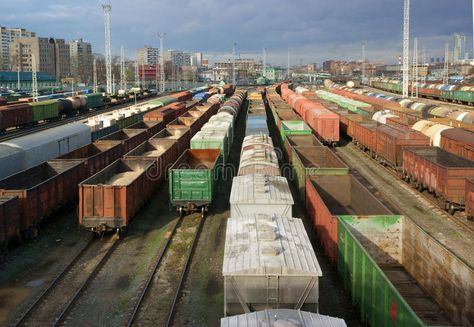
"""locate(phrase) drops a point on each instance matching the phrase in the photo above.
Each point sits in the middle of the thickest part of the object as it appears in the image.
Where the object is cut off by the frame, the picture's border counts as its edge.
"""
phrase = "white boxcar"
(11, 160)
(257, 139)
(282, 317)
(269, 262)
(260, 194)
(51, 143)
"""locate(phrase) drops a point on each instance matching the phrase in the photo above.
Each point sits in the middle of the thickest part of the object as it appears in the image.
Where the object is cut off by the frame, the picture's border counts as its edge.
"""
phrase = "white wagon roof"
(260, 189)
(263, 245)
(282, 317)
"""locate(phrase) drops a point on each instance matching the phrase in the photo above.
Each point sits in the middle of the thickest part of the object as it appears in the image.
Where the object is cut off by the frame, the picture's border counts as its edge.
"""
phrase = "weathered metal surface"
(458, 141)
(43, 189)
(269, 262)
(130, 138)
(192, 177)
(9, 219)
(315, 161)
(372, 264)
(470, 198)
(111, 198)
(260, 193)
(292, 141)
(439, 171)
(329, 196)
(182, 137)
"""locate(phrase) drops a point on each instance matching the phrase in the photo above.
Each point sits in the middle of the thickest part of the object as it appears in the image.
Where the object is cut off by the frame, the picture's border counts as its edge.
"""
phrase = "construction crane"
(161, 36)
(414, 81)
(108, 55)
(406, 47)
(123, 77)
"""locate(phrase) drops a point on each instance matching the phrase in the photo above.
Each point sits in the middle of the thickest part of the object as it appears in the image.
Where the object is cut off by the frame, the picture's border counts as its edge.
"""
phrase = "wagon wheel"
(451, 209)
(181, 212)
(203, 212)
(420, 187)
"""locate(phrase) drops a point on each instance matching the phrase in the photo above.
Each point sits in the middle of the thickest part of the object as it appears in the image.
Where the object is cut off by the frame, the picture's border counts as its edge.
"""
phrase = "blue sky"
(314, 30)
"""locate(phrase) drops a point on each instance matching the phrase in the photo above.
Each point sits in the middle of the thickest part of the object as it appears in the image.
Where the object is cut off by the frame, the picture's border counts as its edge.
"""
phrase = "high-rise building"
(459, 47)
(177, 58)
(7, 36)
(51, 55)
(81, 60)
(196, 59)
(147, 55)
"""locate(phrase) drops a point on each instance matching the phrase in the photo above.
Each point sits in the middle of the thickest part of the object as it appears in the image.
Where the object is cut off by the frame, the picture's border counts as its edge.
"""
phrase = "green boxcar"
(293, 127)
(44, 110)
(164, 101)
(128, 121)
(314, 161)
(358, 107)
(370, 265)
(464, 96)
(192, 179)
(94, 100)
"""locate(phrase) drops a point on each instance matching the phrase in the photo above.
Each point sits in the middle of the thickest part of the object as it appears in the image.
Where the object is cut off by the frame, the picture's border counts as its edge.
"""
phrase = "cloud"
(314, 30)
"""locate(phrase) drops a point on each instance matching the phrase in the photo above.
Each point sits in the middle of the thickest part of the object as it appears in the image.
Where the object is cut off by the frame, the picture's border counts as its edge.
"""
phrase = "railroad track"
(55, 302)
(457, 218)
(142, 297)
(44, 126)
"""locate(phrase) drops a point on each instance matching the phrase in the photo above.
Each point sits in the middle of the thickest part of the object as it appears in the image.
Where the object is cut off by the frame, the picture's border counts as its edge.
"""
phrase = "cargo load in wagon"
(163, 151)
(329, 196)
(130, 138)
(258, 159)
(315, 161)
(269, 262)
(212, 140)
(262, 194)
(292, 141)
(396, 274)
(182, 137)
(291, 127)
(192, 180)
(110, 199)
(96, 156)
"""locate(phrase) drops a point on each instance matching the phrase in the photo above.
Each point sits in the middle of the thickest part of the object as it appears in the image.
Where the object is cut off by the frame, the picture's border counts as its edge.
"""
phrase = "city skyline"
(314, 30)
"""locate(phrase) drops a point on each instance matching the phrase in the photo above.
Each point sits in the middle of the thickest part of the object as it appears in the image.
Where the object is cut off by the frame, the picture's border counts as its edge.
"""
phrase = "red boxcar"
(9, 219)
(15, 115)
(183, 96)
(470, 198)
(439, 171)
(111, 198)
(458, 141)
(167, 113)
(390, 142)
(364, 135)
(330, 196)
(325, 124)
(43, 189)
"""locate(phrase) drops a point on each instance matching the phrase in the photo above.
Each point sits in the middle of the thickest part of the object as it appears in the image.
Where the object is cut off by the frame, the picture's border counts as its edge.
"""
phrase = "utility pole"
(34, 82)
(233, 63)
(264, 61)
(137, 80)
(406, 46)
(288, 66)
(446, 64)
(94, 75)
(162, 62)
(414, 81)
(473, 29)
(113, 83)
(363, 63)
(123, 78)
(108, 55)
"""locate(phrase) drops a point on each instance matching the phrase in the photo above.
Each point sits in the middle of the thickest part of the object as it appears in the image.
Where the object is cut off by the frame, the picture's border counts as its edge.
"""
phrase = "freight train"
(462, 94)
(360, 234)
(269, 261)
(410, 109)
(31, 193)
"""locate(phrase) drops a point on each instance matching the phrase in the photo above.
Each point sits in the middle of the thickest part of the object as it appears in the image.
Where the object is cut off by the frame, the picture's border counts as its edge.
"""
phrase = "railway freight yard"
(234, 193)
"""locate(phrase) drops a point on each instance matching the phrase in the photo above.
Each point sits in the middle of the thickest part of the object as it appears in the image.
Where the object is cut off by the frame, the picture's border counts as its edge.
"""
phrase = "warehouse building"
(9, 80)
